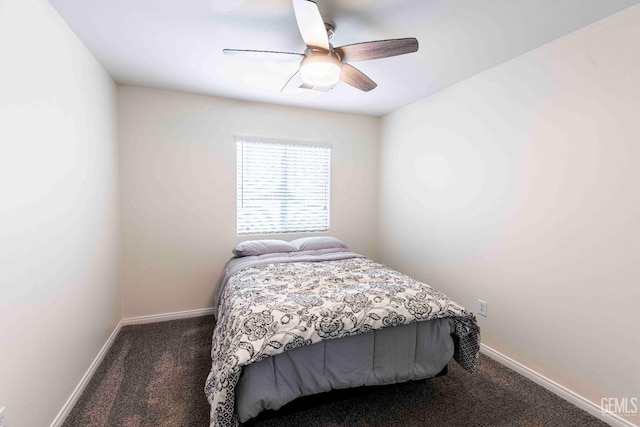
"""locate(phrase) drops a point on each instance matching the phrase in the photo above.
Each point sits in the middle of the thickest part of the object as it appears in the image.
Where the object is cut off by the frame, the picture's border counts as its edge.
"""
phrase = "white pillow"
(260, 247)
(318, 242)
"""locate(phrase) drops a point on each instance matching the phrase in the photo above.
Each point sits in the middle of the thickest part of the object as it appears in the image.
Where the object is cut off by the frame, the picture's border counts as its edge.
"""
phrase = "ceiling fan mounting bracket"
(331, 29)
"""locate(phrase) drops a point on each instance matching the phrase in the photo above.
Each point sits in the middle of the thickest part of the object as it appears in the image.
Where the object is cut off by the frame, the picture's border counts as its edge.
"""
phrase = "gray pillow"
(318, 242)
(260, 247)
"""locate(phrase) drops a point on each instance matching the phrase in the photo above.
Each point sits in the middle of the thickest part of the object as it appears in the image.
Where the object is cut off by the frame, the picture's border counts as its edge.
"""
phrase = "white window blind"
(282, 187)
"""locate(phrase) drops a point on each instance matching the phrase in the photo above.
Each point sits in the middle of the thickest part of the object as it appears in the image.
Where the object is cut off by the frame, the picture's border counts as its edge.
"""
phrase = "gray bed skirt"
(386, 356)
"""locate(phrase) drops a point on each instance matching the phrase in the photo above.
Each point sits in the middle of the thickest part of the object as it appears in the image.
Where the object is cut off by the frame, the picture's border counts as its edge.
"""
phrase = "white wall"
(59, 226)
(520, 186)
(178, 175)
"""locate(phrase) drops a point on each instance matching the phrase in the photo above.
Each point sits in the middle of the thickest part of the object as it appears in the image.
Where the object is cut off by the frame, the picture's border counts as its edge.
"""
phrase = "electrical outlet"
(2, 423)
(482, 308)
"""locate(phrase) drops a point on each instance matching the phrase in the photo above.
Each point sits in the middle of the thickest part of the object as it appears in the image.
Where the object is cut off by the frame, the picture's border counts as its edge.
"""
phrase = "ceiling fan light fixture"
(320, 70)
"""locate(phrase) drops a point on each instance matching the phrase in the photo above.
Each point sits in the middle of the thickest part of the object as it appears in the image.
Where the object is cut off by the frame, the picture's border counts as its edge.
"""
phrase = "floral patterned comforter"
(269, 309)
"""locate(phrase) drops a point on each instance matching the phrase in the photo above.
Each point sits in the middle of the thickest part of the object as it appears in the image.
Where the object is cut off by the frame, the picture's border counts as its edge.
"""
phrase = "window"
(282, 187)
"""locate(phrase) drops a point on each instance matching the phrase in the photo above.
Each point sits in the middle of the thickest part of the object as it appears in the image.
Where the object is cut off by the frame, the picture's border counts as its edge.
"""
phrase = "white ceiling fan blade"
(311, 24)
(356, 78)
(265, 55)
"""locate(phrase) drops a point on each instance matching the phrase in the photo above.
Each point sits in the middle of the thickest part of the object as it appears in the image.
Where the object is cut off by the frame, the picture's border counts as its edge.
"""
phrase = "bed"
(309, 316)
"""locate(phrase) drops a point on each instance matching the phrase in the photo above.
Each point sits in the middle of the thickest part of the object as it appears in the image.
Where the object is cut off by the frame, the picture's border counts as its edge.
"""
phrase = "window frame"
(240, 185)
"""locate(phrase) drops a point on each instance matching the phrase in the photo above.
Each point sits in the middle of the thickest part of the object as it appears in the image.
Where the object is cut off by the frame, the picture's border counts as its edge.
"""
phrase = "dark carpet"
(154, 375)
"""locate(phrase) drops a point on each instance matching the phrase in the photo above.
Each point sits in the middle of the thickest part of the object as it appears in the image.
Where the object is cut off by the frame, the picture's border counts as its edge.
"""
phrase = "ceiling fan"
(321, 65)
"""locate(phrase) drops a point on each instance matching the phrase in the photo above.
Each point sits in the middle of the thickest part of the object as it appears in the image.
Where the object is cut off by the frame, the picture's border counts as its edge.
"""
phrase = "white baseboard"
(84, 381)
(153, 318)
(77, 392)
(557, 389)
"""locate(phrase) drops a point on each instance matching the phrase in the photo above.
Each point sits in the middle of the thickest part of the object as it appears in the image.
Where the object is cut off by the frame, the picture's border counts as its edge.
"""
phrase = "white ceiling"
(177, 44)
